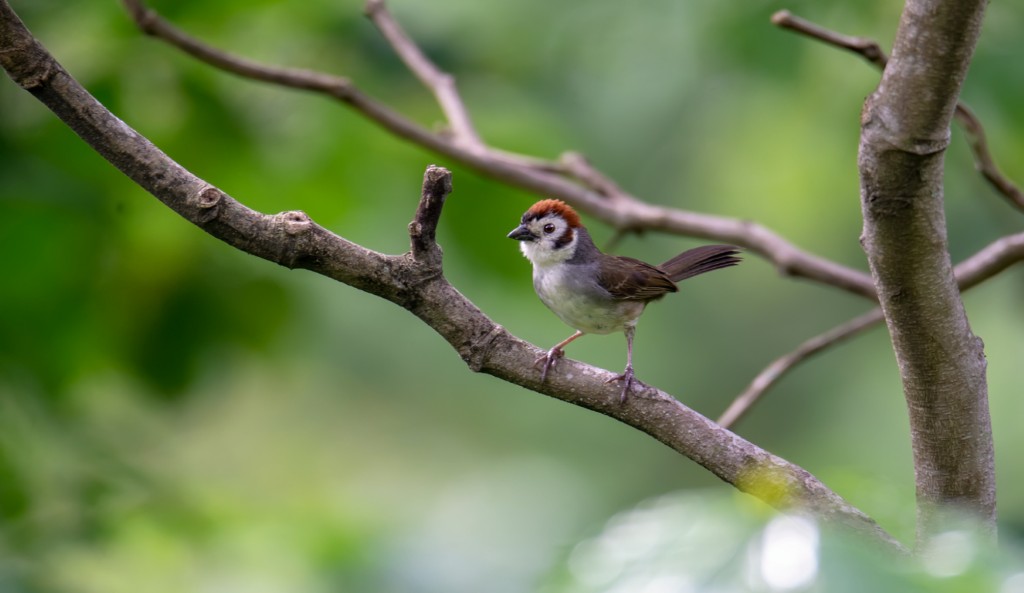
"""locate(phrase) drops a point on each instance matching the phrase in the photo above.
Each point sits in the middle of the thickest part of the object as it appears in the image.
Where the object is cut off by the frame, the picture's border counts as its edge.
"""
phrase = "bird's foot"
(548, 361)
(628, 379)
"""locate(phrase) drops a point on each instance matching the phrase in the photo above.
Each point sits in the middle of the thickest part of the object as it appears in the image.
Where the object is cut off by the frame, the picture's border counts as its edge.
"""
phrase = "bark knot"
(208, 201)
(295, 222)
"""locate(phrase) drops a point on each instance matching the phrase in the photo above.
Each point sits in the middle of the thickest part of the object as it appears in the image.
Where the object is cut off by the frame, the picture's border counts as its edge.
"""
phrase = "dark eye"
(549, 228)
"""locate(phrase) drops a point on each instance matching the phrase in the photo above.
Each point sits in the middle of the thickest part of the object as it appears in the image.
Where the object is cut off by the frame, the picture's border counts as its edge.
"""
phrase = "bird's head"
(548, 232)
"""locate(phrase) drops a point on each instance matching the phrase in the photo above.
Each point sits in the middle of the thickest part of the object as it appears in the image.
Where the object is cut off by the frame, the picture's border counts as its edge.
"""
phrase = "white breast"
(572, 294)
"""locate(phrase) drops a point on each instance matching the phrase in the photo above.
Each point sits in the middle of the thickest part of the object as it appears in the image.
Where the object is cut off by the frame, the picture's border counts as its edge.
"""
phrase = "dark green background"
(176, 415)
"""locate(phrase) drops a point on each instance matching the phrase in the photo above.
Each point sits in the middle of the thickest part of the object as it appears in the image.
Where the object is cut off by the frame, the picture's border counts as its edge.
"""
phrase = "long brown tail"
(699, 260)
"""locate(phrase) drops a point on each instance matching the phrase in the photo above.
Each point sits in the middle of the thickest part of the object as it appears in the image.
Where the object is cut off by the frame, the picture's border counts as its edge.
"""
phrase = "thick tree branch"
(414, 282)
(904, 135)
(623, 211)
(872, 52)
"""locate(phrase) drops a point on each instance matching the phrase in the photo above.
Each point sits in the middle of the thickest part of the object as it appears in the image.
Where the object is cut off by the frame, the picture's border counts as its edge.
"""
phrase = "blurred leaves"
(701, 543)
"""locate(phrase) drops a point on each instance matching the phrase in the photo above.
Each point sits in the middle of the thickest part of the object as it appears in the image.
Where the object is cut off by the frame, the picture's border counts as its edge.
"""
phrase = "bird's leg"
(557, 351)
(627, 375)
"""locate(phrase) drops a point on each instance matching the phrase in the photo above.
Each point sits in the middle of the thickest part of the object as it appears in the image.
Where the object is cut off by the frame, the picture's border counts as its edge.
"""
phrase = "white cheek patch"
(543, 254)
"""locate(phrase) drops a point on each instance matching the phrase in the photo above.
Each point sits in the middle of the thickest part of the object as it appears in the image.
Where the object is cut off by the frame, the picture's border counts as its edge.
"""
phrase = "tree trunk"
(905, 132)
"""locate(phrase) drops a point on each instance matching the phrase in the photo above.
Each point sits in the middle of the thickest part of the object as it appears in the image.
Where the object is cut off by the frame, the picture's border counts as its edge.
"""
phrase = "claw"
(549, 361)
(553, 355)
(627, 377)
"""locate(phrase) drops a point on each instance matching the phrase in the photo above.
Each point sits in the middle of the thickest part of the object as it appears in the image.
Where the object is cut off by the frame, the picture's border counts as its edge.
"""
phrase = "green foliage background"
(179, 416)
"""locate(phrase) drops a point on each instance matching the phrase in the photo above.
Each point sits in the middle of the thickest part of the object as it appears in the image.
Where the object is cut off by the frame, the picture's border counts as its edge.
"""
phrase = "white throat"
(543, 254)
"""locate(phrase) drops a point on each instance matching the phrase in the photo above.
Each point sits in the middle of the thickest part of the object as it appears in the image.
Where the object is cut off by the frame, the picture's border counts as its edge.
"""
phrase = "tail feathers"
(699, 260)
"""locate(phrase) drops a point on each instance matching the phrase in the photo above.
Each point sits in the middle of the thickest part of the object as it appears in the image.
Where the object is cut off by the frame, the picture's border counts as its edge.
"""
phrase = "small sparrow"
(595, 293)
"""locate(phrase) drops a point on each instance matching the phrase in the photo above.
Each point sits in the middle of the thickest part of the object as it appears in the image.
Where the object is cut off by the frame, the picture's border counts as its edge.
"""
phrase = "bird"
(596, 293)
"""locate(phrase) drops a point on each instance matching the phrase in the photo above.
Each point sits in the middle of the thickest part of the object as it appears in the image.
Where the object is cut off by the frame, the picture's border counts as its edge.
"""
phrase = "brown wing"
(629, 279)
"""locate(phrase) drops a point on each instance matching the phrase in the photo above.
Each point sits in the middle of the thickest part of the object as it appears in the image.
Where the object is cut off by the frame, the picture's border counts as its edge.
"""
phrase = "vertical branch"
(437, 184)
(904, 135)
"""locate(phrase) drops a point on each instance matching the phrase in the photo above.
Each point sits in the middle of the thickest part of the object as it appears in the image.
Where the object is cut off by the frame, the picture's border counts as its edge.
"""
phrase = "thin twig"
(337, 87)
(983, 160)
(986, 263)
(989, 261)
(774, 372)
(579, 167)
(441, 84)
(872, 52)
(867, 48)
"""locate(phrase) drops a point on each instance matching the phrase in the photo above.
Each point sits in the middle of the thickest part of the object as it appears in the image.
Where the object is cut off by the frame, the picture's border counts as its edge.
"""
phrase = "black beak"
(521, 233)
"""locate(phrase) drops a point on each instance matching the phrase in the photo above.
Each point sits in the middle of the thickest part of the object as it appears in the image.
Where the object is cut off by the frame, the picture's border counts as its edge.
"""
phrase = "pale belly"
(584, 308)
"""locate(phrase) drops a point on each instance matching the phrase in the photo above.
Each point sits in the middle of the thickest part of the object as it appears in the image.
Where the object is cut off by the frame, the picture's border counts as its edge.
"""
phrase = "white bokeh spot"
(785, 557)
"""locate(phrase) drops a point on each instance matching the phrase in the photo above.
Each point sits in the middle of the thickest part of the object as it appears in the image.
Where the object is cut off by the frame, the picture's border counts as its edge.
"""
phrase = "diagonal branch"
(440, 83)
(336, 87)
(623, 211)
(872, 52)
(983, 160)
(993, 259)
(781, 366)
(867, 48)
(416, 283)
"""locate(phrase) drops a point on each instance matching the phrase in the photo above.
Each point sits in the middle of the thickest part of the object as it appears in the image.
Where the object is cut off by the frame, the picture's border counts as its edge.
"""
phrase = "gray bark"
(905, 132)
